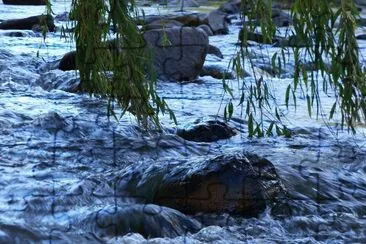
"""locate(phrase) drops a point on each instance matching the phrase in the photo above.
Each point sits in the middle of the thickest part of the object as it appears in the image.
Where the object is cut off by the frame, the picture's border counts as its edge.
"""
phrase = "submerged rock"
(29, 23)
(217, 72)
(148, 220)
(240, 184)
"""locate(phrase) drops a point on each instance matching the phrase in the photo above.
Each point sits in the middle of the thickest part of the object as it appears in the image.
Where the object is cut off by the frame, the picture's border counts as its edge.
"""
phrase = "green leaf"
(287, 95)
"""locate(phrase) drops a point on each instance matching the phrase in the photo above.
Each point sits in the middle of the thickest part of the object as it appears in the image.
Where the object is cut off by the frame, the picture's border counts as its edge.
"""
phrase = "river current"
(52, 140)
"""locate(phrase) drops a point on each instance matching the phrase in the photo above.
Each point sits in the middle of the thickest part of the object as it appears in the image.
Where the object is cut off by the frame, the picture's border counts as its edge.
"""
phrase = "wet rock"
(255, 36)
(206, 29)
(215, 51)
(180, 59)
(216, 72)
(361, 37)
(291, 41)
(209, 131)
(239, 184)
(29, 23)
(281, 18)
(68, 61)
(278, 41)
(148, 220)
(162, 24)
(25, 2)
(231, 7)
(217, 22)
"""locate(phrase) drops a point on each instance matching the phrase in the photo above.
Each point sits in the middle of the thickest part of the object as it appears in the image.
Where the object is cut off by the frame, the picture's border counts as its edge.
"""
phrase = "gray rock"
(182, 57)
(218, 22)
(206, 29)
(215, 51)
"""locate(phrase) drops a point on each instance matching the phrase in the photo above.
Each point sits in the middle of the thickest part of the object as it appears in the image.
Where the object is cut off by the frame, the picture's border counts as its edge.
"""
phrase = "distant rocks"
(149, 220)
(215, 20)
(30, 23)
(25, 2)
(243, 184)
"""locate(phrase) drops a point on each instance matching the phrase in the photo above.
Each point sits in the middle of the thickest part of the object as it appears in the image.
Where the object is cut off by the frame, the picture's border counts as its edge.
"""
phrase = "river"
(52, 140)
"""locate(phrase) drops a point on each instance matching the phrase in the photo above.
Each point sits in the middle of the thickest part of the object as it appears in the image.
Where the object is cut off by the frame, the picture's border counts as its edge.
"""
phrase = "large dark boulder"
(211, 130)
(240, 184)
(25, 2)
(68, 61)
(148, 220)
(178, 53)
(29, 23)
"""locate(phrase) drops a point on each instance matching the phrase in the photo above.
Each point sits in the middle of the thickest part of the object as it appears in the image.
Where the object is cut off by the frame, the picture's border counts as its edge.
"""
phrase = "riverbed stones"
(181, 56)
(242, 184)
(148, 220)
(29, 23)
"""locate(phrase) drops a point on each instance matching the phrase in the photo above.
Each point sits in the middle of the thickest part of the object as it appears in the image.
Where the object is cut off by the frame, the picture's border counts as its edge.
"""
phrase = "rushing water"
(52, 140)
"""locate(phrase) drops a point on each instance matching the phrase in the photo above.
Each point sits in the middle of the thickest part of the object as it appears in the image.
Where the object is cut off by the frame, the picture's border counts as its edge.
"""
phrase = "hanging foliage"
(112, 58)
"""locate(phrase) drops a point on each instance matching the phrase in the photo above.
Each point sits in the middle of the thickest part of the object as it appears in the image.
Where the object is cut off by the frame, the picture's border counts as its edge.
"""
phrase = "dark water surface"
(55, 144)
